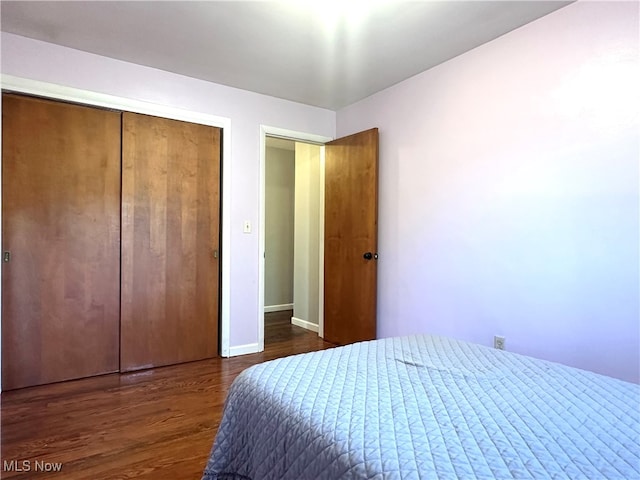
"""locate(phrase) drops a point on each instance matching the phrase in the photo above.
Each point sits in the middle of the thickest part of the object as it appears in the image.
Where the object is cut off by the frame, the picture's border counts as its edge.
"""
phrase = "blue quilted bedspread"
(425, 407)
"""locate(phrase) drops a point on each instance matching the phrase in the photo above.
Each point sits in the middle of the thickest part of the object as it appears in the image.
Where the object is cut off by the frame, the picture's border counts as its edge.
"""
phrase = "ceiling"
(328, 54)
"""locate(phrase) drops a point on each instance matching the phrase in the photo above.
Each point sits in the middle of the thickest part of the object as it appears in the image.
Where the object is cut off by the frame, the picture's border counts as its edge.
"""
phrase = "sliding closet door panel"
(170, 222)
(61, 228)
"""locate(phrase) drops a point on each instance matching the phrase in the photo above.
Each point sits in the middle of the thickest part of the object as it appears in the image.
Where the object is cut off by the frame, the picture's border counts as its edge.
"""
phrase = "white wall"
(509, 192)
(279, 226)
(307, 234)
(46, 62)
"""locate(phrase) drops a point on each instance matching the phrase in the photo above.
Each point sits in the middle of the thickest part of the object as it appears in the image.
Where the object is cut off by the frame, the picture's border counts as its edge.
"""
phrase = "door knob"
(369, 256)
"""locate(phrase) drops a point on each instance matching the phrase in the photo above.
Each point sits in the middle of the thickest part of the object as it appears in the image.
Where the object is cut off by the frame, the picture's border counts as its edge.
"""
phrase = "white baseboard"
(244, 349)
(278, 308)
(304, 324)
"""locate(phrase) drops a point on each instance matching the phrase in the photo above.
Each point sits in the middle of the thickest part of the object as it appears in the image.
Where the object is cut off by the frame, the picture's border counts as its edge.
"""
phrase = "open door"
(351, 238)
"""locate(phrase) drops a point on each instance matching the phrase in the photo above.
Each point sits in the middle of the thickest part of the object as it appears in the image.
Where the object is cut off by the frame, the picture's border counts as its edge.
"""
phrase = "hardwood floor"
(157, 423)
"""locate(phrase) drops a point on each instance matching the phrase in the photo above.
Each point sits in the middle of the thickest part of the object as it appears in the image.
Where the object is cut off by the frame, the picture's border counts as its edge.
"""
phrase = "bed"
(425, 407)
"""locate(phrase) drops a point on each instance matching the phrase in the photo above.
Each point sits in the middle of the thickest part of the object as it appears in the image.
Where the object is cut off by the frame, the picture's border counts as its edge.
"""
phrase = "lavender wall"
(50, 63)
(509, 192)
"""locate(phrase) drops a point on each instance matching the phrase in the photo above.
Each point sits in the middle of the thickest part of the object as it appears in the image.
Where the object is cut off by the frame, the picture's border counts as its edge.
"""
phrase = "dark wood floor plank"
(157, 423)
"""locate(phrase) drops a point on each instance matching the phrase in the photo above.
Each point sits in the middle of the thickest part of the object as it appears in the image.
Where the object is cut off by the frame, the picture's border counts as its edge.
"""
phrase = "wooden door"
(351, 236)
(170, 241)
(61, 227)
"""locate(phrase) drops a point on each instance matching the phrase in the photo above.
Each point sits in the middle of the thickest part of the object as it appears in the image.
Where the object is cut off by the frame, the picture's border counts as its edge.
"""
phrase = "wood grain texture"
(61, 223)
(170, 229)
(351, 229)
(156, 424)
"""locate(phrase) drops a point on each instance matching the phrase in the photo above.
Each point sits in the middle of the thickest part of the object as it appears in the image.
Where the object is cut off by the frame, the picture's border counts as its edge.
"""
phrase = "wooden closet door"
(61, 227)
(170, 235)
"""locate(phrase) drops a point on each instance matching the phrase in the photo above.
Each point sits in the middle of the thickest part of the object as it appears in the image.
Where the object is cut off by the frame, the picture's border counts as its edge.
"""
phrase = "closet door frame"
(14, 84)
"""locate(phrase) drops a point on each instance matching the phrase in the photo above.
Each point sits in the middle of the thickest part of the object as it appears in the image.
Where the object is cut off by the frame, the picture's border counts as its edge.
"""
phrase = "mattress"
(425, 407)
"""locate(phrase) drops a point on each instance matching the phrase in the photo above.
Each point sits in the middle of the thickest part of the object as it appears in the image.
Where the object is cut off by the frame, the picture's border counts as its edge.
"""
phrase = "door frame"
(296, 136)
(87, 97)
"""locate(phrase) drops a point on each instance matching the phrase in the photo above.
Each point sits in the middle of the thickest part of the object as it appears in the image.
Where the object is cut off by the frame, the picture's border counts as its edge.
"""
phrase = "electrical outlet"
(498, 342)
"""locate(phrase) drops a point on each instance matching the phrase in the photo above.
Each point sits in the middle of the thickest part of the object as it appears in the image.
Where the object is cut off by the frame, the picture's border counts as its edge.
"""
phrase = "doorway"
(348, 192)
(291, 235)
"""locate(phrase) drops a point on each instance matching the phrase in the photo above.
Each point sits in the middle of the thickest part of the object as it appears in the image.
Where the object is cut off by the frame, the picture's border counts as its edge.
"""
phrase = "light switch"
(247, 226)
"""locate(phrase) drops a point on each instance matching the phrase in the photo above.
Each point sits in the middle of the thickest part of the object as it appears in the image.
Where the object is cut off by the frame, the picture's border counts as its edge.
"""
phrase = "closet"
(110, 241)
